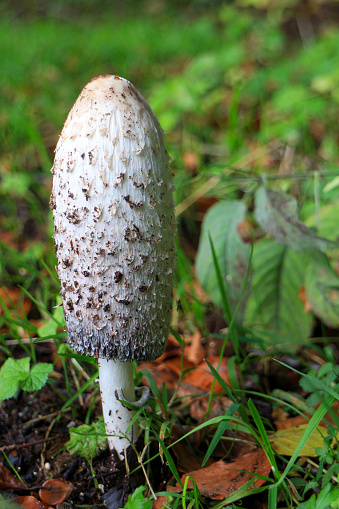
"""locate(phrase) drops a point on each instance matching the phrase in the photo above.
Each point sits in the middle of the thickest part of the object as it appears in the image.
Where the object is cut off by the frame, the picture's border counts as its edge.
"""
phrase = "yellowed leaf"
(285, 441)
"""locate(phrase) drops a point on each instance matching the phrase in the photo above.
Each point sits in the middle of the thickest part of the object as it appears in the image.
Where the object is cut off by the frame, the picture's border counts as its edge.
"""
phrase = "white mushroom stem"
(116, 377)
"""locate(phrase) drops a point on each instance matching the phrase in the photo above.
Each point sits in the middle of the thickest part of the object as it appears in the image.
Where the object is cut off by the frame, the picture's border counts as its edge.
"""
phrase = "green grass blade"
(220, 431)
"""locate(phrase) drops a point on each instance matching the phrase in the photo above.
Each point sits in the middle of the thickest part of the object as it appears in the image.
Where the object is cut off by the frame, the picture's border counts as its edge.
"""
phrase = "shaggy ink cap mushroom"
(114, 224)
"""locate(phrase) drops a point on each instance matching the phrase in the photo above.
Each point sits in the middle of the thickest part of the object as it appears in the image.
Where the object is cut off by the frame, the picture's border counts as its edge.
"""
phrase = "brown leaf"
(221, 479)
(184, 450)
(202, 377)
(159, 502)
(55, 491)
(198, 407)
(12, 297)
(6, 477)
(168, 371)
(195, 352)
(291, 422)
(30, 502)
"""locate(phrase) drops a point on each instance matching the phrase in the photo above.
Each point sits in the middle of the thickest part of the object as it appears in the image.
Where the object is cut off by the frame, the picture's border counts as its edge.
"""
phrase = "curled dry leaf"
(221, 479)
(195, 352)
(55, 491)
(30, 502)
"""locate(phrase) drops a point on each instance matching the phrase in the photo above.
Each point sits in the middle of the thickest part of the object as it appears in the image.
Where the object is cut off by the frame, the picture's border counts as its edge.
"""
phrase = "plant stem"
(113, 375)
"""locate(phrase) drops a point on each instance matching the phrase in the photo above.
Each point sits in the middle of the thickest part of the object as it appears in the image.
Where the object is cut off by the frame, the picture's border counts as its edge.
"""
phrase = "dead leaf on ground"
(221, 479)
(290, 422)
(168, 371)
(55, 491)
(14, 299)
(202, 377)
(173, 349)
(159, 503)
(285, 441)
(185, 450)
(198, 407)
(195, 352)
(30, 502)
(6, 477)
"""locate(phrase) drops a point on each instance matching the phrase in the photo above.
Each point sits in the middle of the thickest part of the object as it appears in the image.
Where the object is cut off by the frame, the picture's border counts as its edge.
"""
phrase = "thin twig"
(31, 444)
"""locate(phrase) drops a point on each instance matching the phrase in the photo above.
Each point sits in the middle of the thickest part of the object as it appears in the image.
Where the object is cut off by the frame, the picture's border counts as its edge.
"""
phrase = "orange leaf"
(12, 297)
(29, 502)
(202, 377)
(221, 479)
(55, 491)
(195, 352)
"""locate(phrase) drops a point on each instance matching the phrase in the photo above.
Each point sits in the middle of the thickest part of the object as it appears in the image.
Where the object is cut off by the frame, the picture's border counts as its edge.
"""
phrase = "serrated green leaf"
(37, 377)
(274, 304)
(220, 224)
(322, 289)
(88, 440)
(137, 500)
(276, 213)
(285, 441)
(11, 374)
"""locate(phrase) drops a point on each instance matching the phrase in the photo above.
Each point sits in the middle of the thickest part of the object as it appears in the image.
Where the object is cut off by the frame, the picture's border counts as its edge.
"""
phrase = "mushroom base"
(113, 376)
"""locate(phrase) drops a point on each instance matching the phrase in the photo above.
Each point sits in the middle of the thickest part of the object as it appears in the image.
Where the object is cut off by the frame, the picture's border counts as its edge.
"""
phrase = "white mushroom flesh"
(114, 224)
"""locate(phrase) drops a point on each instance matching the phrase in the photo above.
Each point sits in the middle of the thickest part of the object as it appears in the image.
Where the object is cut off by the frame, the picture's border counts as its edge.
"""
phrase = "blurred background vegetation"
(244, 88)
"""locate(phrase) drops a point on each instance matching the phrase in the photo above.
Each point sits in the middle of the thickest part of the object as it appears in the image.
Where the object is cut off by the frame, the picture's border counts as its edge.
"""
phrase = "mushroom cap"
(114, 224)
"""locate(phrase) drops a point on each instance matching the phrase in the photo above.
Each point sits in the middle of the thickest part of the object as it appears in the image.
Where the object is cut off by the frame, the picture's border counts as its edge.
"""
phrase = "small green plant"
(137, 500)
(88, 440)
(18, 374)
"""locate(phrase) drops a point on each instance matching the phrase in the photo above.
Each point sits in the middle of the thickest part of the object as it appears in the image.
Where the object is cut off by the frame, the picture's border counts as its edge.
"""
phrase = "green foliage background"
(229, 81)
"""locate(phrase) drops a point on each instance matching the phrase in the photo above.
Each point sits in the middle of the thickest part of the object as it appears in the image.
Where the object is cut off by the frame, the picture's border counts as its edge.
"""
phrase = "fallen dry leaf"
(291, 422)
(221, 479)
(195, 352)
(198, 407)
(159, 502)
(55, 491)
(285, 441)
(168, 371)
(202, 377)
(30, 502)
(13, 298)
(185, 449)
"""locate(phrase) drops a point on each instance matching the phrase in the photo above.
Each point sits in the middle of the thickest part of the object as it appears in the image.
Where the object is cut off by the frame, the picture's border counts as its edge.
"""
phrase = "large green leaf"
(274, 305)
(37, 377)
(11, 374)
(276, 213)
(322, 289)
(221, 222)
